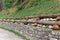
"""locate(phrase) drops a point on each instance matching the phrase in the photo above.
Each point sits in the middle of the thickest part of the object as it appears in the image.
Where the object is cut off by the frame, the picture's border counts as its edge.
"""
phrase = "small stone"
(58, 18)
(29, 20)
(39, 25)
(50, 26)
(44, 26)
(55, 27)
(53, 39)
(35, 24)
(53, 32)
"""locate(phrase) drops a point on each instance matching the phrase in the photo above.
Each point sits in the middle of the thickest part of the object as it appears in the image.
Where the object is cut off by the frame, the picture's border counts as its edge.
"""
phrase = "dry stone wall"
(31, 32)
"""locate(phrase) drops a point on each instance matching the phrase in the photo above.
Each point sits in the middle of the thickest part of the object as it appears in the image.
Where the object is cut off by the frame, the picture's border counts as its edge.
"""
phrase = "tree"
(1, 5)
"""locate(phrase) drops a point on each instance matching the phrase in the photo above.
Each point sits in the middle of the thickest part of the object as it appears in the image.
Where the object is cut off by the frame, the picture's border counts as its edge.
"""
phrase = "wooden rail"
(36, 16)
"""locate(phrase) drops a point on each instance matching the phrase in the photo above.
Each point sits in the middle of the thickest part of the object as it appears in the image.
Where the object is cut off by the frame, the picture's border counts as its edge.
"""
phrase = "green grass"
(2, 13)
(16, 33)
(42, 7)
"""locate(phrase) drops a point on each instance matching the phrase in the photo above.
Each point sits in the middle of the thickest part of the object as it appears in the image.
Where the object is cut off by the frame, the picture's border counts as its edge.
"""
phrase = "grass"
(43, 7)
(39, 7)
(16, 33)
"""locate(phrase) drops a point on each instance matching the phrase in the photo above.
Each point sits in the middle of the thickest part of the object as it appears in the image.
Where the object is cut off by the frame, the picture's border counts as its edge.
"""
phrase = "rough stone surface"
(33, 33)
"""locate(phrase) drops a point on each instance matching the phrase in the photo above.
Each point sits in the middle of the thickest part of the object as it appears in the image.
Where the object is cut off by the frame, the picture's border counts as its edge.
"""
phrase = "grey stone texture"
(31, 32)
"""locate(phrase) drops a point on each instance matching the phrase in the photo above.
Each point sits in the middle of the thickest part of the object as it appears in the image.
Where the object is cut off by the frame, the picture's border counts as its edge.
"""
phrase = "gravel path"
(33, 33)
(6, 35)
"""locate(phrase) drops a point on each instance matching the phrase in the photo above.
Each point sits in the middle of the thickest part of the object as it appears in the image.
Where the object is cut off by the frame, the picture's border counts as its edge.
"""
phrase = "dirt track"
(6, 35)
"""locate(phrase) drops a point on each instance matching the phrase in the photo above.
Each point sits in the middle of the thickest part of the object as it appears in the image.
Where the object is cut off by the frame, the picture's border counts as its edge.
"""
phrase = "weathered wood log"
(49, 15)
(44, 22)
(49, 22)
(44, 16)
(58, 18)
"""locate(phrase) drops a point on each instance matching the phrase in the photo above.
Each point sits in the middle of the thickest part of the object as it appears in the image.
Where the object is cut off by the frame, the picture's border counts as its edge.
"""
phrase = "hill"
(18, 8)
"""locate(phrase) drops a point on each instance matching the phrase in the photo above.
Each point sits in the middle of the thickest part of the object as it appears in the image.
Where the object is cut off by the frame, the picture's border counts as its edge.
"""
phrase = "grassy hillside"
(31, 7)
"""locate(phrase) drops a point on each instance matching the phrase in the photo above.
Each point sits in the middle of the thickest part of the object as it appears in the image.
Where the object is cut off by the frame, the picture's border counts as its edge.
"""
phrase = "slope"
(33, 7)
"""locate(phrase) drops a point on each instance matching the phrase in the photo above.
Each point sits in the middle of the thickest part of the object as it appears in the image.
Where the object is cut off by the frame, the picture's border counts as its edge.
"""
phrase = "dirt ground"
(6, 35)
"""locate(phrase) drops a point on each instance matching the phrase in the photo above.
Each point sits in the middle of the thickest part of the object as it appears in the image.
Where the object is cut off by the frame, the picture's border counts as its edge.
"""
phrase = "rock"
(43, 19)
(35, 24)
(39, 25)
(55, 27)
(53, 39)
(52, 19)
(43, 26)
(29, 20)
(48, 19)
(58, 18)
(50, 26)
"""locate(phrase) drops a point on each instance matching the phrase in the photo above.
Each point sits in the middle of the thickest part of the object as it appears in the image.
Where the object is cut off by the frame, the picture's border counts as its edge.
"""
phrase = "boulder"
(55, 27)
(58, 18)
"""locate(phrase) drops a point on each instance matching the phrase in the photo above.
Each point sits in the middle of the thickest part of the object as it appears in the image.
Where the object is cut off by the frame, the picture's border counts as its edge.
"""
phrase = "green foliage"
(31, 7)
(8, 3)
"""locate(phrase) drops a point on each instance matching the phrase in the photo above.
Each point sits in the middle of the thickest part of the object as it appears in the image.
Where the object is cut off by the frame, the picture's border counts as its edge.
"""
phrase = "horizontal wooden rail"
(45, 22)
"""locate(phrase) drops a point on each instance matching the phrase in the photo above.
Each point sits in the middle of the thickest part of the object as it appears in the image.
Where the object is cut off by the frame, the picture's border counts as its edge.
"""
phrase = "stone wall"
(33, 33)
